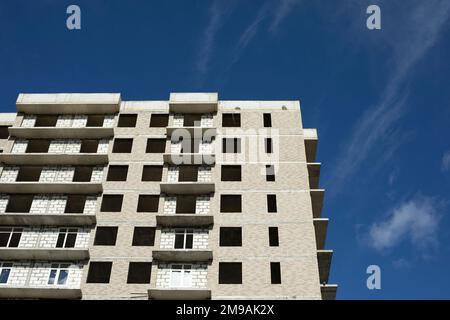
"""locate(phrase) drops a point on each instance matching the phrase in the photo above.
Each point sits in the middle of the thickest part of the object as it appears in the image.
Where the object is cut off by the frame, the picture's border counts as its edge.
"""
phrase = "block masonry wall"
(202, 204)
(51, 204)
(66, 146)
(52, 174)
(47, 237)
(206, 120)
(204, 174)
(68, 121)
(200, 238)
(36, 274)
(199, 275)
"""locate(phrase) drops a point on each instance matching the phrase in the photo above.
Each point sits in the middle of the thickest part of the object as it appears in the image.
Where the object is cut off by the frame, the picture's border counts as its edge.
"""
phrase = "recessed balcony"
(10, 292)
(46, 254)
(179, 294)
(68, 103)
(54, 158)
(328, 291)
(187, 187)
(61, 133)
(34, 219)
(317, 196)
(182, 255)
(189, 158)
(201, 102)
(52, 187)
(320, 228)
(324, 259)
(314, 174)
(184, 220)
(311, 139)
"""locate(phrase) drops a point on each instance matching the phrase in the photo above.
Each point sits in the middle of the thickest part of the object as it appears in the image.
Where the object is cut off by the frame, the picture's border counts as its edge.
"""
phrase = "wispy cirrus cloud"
(445, 165)
(273, 13)
(217, 13)
(376, 126)
(415, 221)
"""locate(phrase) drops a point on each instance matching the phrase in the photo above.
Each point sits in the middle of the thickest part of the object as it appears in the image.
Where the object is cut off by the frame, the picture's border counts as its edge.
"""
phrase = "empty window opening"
(187, 173)
(10, 237)
(186, 204)
(275, 272)
(38, 146)
(112, 203)
(148, 203)
(75, 203)
(156, 146)
(271, 203)
(268, 145)
(59, 273)
(270, 173)
(19, 203)
(105, 236)
(67, 238)
(95, 120)
(46, 121)
(231, 145)
(122, 145)
(4, 133)
(192, 120)
(117, 173)
(99, 272)
(152, 173)
(144, 236)
(181, 276)
(231, 120)
(127, 120)
(29, 173)
(139, 272)
(89, 146)
(230, 203)
(273, 237)
(231, 173)
(230, 236)
(267, 120)
(159, 120)
(82, 174)
(184, 239)
(230, 272)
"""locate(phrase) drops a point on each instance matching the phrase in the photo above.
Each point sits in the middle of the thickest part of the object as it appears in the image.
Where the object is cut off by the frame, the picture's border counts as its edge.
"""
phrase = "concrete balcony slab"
(33, 219)
(184, 220)
(182, 255)
(179, 294)
(46, 254)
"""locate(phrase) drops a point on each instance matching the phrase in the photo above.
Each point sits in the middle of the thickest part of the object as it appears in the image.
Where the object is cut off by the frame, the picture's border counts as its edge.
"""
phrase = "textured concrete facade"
(181, 249)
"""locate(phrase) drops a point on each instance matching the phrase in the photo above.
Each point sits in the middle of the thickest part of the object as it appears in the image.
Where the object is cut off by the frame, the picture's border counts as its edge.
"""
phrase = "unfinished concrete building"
(188, 198)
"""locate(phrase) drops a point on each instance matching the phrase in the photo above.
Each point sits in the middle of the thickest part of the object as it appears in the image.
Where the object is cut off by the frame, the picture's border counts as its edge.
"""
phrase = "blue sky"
(379, 99)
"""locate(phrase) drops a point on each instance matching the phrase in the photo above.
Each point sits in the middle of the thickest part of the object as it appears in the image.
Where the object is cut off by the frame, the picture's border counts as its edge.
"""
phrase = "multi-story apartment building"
(190, 198)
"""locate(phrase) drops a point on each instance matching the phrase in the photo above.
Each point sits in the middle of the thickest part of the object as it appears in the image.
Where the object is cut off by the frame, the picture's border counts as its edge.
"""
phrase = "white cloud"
(376, 126)
(446, 161)
(217, 11)
(416, 221)
(283, 10)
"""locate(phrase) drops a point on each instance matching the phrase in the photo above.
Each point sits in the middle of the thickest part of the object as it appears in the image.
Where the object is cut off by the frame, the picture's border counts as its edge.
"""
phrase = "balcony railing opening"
(188, 173)
(186, 204)
(192, 120)
(95, 120)
(46, 121)
(38, 146)
(75, 204)
(29, 173)
(19, 203)
(89, 146)
(82, 174)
